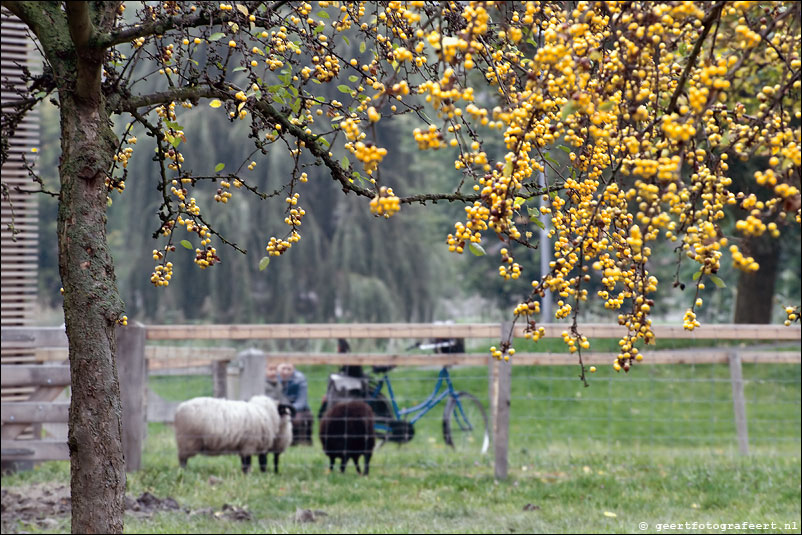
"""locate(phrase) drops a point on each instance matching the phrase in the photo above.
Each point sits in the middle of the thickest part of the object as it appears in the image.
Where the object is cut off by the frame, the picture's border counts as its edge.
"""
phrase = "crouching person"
(295, 390)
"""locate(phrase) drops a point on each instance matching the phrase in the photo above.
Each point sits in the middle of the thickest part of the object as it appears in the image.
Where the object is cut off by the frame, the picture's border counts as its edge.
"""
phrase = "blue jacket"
(296, 391)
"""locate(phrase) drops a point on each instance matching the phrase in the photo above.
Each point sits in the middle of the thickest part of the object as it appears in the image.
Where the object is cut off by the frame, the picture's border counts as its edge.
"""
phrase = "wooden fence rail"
(467, 330)
(135, 359)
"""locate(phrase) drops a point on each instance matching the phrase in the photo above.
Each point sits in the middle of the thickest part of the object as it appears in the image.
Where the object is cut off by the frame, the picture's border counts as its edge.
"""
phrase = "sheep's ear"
(285, 408)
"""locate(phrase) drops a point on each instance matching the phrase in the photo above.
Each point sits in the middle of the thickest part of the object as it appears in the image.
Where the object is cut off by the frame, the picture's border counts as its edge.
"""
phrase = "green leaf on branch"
(263, 263)
(216, 36)
(518, 202)
(219, 167)
(342, 88)
(549, 158)
(476, 249)
(717, 281)
(568, 109)
(697, 275)
(186, 244)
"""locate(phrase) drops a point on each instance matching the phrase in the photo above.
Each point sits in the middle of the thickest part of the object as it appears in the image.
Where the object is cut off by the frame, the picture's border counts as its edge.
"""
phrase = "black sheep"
(346, 431)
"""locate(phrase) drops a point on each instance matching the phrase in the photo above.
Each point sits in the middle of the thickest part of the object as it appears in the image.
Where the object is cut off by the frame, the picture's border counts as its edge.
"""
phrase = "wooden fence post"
(220, 378)
(492, 393)
(252, 373)
(132, 372)
(739, 402)
(501, 418)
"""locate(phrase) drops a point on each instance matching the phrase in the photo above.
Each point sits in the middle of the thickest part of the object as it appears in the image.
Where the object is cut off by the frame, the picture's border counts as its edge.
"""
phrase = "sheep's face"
(286, 410)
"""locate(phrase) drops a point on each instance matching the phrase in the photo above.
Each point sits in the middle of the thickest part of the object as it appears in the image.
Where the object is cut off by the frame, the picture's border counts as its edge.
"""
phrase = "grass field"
(657, 446)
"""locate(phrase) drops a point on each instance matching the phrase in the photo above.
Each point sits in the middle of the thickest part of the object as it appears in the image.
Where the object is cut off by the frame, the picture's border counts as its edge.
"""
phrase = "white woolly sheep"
(283, 437)
(213, 426)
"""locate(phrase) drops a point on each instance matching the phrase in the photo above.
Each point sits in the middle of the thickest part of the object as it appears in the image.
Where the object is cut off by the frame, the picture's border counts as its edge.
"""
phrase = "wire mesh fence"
(684, 404)
(681, 408)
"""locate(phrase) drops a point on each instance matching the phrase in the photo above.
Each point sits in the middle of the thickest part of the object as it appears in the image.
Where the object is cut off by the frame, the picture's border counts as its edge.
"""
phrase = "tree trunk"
(92, 306)
(755, 296)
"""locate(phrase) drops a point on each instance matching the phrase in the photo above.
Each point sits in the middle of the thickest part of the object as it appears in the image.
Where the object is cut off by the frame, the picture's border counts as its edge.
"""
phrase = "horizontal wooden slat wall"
(19, 218)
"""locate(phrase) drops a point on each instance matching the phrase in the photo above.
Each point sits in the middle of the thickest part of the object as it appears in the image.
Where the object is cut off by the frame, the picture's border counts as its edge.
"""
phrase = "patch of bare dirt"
(48, 505)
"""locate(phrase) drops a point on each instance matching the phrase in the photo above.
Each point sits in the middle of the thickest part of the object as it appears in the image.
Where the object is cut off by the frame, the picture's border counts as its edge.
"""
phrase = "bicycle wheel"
(465, 424)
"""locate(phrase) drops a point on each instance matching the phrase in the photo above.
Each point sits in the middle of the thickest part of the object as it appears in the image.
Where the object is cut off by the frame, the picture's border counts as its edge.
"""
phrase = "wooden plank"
(220, 379)
(705, 332)
(159, 357)
(133, 383)
(17, 266)
(190, 370)
(34, 450)
(156, 366)
(739, 402)
(178, 353)
(705, 356)
(18, 390)
(700, 356)
(34, 412)
(412, 330)
(34, 375)
(321, 331)
(46, 393)
(38, 336)
(502, 420)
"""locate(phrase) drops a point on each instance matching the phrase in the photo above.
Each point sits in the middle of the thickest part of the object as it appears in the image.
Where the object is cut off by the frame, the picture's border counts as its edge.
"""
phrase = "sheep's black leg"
(331, 463)
(343, 460)
(275, 462)
(246, 463)
(356, 463)
(263, 462)
(367, 462)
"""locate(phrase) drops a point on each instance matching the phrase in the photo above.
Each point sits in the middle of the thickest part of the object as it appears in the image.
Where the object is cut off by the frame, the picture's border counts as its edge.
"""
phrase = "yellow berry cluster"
(162, 273)
(573, 342)
(511, 272)
(527, 308)
(369, 154)
(533, 332)
(689, 321)
(647, 122)
(793, 315)
(385, 203)
(502, 354)
(206, 257)
(744, 263)
(277, 247)
(431, 138)
(223, 194)
(124, 155)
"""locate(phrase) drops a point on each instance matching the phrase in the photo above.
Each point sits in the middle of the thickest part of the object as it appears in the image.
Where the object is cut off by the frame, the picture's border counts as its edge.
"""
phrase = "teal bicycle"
(465, 426)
